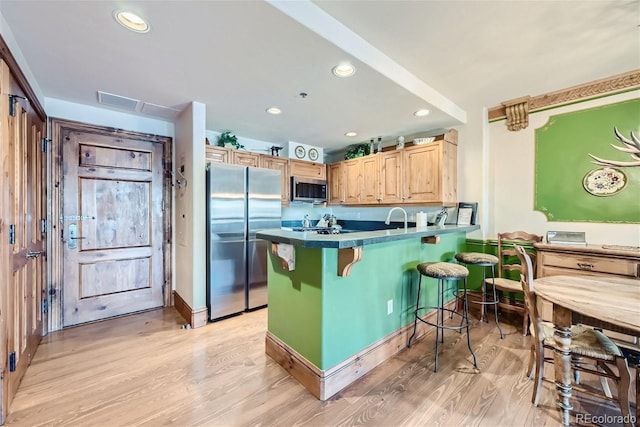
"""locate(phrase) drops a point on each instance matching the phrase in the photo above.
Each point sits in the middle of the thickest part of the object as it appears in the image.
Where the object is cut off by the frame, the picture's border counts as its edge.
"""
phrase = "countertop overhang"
(354, 239)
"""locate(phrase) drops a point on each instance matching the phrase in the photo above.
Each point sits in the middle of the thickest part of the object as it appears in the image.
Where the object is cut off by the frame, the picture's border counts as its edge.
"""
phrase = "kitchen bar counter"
(339, 305)
(357, 238)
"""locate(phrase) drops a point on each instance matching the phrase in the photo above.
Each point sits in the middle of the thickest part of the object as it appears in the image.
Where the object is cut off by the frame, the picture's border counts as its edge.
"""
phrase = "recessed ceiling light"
(131, 21)
(422, 113)
(352, 133)
(274, 110)
(344, 70)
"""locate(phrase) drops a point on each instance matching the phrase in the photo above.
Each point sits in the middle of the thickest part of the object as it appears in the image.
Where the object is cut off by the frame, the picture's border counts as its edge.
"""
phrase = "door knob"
(73, 236)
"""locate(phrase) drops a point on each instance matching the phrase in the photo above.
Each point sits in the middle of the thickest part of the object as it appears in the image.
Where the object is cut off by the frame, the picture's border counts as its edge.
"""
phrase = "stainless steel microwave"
(308, 190)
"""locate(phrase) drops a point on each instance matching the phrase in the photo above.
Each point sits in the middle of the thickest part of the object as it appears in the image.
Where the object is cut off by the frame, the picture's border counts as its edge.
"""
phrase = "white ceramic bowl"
(420, 141)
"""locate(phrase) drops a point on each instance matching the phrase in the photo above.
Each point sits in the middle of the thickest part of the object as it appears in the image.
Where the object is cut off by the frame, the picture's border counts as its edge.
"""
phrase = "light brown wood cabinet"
(336, 184)
(390, 178)
(352, 181)
(245, 158)
(418, 174)
(591, 260)
(281, 164)
(346, 182)
(370, 180)
(217, 154)
(430, 173)
(306, 169)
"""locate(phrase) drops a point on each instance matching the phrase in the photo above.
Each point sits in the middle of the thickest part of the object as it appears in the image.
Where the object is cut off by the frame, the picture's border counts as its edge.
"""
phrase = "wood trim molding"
(15, 69)
(517, 112)
(286, 253)
(324, 384)
(196, 318)
(610, 85)
(346, 258)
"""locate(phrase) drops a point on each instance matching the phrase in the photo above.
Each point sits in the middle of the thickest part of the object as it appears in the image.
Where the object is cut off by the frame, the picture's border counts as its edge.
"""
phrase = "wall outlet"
(390, 306)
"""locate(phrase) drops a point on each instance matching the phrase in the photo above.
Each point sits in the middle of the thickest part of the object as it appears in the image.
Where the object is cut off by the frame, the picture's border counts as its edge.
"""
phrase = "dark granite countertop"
(358, 238)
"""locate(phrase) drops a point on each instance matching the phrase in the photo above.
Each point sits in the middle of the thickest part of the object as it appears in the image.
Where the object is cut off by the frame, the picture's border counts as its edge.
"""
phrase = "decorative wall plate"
(313, 154)
(604, 181)
(300, 151)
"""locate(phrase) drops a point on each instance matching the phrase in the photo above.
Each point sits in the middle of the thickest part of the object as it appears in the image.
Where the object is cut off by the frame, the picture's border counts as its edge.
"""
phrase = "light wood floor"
(145, 370)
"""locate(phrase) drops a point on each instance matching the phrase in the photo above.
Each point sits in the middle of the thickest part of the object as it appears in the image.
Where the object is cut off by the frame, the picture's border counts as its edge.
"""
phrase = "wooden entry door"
(22, 210)
(112, 224)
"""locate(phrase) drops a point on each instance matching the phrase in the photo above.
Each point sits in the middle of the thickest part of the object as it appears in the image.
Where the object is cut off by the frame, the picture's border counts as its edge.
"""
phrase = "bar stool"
(443, 271)
(483, 260)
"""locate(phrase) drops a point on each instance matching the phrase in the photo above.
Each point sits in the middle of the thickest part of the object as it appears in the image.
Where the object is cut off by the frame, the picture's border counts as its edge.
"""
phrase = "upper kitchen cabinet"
(430, 173)
(336, 184)
(245, 158)
(216, 154)
(281, 164)
(352, 181)
(417, 174)
(390, 176)
(346, 182)
(302, 168)
(370, 180)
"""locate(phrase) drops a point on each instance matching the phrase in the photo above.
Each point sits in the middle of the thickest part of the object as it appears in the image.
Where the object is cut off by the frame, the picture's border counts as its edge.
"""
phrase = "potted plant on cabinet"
(357, 150)
(229, 140)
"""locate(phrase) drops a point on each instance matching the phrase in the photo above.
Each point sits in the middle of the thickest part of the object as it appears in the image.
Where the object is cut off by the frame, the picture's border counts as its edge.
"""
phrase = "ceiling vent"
(118, 101)
(159, 111)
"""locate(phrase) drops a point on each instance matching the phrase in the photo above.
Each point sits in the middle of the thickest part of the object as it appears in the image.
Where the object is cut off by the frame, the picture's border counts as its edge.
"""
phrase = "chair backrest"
(506, 252)
(526, 280)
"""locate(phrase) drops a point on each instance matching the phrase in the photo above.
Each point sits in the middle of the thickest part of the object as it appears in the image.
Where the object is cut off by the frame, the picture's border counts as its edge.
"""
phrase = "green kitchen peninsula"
(339, 305)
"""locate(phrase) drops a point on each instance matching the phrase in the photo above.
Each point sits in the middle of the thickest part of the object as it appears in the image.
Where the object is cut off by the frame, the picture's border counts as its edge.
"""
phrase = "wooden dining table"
(610, 302)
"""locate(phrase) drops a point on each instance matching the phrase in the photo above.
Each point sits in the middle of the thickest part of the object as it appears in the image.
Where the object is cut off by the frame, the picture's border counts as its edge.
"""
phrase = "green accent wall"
(562, 161)
(327, 318)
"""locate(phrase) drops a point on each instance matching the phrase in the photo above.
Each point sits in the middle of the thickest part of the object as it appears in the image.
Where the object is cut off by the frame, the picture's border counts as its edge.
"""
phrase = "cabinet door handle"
(585, 266)
(33, 254)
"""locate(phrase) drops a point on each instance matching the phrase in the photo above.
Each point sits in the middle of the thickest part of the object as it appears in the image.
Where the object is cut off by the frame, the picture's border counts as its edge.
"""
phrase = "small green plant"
(228, 138)
(357, 150)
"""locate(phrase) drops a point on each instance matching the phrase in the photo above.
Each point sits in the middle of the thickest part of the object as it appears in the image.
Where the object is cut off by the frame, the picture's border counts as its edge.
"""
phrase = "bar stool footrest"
(463, 325)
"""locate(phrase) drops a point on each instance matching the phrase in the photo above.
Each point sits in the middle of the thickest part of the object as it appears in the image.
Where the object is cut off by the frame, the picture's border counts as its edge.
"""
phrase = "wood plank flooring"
(145, 370)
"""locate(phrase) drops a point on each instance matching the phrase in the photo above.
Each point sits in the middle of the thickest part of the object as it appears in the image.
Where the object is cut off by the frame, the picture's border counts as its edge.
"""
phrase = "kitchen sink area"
(324, 230)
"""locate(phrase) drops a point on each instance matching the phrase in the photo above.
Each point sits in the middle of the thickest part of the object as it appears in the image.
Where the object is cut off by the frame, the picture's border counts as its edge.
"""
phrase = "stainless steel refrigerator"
(240, 201)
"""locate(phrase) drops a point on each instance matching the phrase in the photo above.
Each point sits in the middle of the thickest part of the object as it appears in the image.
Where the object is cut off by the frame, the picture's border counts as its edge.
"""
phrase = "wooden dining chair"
(586, 344)
(509, 268)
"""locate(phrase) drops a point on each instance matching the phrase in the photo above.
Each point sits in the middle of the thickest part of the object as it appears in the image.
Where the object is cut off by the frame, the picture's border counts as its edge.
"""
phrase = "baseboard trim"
(324, 384)
(196, 318)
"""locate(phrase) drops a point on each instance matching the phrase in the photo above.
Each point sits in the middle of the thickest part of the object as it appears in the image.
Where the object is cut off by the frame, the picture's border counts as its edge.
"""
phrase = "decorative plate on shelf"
(604, 181)
(313, 154)
(300, 151)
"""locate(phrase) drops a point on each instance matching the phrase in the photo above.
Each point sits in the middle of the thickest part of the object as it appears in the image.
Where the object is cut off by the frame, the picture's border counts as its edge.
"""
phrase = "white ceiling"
(241, 57)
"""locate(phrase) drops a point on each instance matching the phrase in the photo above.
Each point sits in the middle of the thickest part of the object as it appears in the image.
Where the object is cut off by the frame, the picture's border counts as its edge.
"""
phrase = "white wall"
(189, 206)
(472, 174)
(511, 182)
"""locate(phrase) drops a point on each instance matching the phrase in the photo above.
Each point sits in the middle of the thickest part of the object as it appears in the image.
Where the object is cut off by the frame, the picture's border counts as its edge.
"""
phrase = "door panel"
(21, 211)
(422, 174)
(113, 225)
(118, 214)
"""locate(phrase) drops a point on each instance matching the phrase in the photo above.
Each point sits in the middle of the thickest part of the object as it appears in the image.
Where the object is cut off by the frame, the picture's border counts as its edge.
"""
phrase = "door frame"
(56, 280)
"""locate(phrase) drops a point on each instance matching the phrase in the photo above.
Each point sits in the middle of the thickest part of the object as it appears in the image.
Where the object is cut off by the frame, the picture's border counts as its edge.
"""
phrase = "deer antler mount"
(630, 146)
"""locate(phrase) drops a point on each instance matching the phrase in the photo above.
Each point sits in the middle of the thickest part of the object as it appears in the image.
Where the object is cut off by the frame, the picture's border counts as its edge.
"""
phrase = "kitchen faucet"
(405, 217)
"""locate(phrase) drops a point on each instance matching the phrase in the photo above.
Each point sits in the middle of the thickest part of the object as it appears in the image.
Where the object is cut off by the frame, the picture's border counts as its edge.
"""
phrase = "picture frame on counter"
(467, 213)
